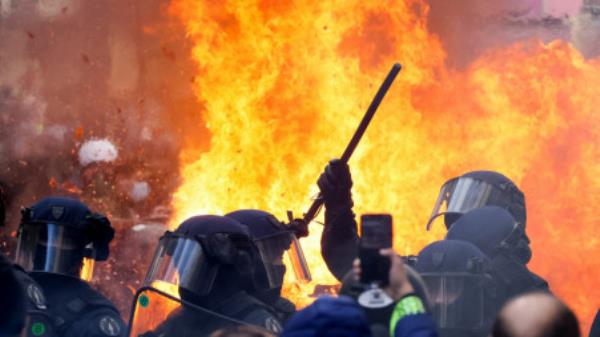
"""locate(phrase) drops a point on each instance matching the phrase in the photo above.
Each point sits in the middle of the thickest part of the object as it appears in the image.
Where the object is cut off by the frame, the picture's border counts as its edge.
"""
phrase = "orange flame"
(282, 86)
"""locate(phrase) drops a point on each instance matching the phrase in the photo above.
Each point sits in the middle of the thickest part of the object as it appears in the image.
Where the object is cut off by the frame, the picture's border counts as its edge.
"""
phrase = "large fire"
(282, 86)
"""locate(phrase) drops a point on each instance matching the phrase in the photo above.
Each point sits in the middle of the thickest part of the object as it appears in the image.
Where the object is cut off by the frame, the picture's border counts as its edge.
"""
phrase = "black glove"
(299, 227)
(335, 184)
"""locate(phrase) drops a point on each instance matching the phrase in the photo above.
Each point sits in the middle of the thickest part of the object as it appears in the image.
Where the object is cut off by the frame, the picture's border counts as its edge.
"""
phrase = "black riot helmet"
(462, 292)
(273, 239)
(477, 189)
(494, 231)
(202, 250)
(62, 235)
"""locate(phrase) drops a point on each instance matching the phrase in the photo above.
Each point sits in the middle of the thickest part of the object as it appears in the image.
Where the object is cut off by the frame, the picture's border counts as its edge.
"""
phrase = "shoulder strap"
(75, 303)
(241, 305)
(249, 309)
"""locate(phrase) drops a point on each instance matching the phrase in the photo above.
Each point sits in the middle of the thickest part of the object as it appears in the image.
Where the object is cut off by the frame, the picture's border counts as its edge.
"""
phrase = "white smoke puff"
(54, 8)
(139, 191)
(5, 8)
(97, 150)
(146, 233)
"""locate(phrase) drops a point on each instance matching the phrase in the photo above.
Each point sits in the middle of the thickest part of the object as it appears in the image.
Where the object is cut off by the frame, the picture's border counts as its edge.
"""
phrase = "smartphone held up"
(376, 234)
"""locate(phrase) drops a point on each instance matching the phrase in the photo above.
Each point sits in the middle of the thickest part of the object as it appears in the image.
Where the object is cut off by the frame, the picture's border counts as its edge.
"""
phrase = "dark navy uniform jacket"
(77, 309)
(39, 322)
(242, 308)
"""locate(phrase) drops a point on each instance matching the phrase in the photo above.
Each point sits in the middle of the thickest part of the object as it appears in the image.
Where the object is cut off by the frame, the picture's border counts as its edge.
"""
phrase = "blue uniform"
(39, 321)
(77, 309)
(241, 308)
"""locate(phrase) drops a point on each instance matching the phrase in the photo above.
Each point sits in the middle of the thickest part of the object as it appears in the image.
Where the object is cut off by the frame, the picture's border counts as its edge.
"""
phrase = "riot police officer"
(273, 238)
(498, 235)
(203, 269)
(58, 241)
(477, 189)
(464, 295)
(340, 236)
(37, 318)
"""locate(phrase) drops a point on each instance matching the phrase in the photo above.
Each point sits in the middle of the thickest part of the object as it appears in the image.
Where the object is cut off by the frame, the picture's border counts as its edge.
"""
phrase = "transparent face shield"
(54, 248)
(460, 195)
(457, 300)
(157, 313)
(272, 249)
(181, 262)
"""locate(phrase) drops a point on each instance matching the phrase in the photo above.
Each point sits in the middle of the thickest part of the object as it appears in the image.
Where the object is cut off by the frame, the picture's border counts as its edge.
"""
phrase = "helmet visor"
(460, 195)
(457, 299)
(272, 249)
(156, 313)
(52, 248)
(181, 262)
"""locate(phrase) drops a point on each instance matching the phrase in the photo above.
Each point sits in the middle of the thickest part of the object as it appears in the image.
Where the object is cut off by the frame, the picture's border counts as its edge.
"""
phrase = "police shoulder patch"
(36, 296)
(109, 326)
(273, 325)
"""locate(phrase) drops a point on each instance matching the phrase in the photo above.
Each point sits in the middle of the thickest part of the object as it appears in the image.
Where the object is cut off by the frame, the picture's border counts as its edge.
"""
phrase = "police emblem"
(57, 212)
(109, 326)
(438, 259)
(272, 325)
(36, 296)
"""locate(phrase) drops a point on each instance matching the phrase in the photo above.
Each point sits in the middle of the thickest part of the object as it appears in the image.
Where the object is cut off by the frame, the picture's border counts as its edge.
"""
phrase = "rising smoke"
(94, 103)
(469, 28)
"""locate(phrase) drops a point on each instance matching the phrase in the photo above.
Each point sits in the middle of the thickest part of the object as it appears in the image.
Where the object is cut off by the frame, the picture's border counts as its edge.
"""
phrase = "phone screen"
(376, 234)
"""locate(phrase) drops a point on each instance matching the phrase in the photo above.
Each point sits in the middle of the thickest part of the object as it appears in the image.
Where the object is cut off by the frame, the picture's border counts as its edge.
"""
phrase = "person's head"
(205, 254)
(58, 234)
(328, 316)
(272, 238)
(477, 189)
(13, 308)
(494, 231)
(462, 292)
(536, 315)
(242, 331)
